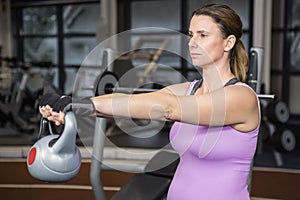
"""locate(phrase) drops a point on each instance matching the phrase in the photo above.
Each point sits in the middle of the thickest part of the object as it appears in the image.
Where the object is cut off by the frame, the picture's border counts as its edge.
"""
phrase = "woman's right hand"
(48, 113)
(52, 105)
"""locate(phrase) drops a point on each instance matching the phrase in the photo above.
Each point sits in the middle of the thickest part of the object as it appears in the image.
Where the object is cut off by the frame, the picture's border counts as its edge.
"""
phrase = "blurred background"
(44, 43)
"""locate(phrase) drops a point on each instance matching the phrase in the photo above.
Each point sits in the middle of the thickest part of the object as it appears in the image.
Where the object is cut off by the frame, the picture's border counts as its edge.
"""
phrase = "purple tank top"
(214, 161)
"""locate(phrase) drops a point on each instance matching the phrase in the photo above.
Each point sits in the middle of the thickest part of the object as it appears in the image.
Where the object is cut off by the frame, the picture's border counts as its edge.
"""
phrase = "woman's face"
(207, 45)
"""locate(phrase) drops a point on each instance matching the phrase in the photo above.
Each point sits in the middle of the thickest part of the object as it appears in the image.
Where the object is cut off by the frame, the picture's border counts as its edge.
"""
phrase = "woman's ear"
(229, 42)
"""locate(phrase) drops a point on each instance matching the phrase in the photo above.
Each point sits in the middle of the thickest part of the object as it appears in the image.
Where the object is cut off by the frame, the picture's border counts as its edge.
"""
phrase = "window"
(39, 31)
(62, 34)
(174, 15)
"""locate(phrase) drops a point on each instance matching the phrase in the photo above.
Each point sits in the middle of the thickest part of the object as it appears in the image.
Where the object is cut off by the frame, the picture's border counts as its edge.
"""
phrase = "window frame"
(19, 37)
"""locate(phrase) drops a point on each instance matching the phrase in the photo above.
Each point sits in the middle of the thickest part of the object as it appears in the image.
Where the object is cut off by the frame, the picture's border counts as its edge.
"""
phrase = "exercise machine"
(140, 185)
(14, 101)
(274, 113)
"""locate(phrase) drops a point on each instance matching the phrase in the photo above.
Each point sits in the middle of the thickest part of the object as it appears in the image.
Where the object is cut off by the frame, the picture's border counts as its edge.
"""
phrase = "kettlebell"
(56, 158)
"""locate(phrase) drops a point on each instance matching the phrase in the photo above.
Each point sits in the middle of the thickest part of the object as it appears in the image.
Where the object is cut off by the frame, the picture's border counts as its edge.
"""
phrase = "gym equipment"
(108, 83)
(19, 104)
(255, 69)
(140, 184)
(274, 112)
(55, 158)
(13, 102)
(154, 177)
(277, 112)
(284, 139)
(5, 76)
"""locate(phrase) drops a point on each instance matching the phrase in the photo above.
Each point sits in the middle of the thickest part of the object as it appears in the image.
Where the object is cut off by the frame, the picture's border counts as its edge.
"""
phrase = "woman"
(216, 120)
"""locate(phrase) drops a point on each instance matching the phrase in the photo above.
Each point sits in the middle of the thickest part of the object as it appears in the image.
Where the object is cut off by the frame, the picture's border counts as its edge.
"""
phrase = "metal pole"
(97, 159)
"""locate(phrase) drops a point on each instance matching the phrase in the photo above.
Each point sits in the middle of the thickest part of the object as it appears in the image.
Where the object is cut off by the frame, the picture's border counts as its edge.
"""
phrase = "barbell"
(107, 83)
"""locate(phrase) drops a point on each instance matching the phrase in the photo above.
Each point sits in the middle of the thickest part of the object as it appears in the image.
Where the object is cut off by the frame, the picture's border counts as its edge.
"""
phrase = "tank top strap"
(197, 83)
(232, 81)
(194, 86)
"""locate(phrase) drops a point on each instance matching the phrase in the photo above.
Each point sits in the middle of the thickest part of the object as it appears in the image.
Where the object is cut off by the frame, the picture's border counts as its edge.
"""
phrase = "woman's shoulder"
(242, 94)
(177, 89)
(246, 100)
(247, 88)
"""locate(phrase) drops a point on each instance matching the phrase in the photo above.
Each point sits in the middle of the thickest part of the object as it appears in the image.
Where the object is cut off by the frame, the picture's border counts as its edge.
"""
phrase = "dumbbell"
(277, 112)
(284, 139)
(55, 158)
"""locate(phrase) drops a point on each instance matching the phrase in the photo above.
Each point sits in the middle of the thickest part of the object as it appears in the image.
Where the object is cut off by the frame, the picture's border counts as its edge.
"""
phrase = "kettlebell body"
(56, 158)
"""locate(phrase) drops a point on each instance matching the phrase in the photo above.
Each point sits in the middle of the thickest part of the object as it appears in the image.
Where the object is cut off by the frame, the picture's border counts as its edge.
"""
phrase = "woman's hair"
(229, 23)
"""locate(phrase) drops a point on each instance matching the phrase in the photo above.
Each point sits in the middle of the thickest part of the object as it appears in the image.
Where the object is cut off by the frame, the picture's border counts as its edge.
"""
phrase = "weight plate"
(277, 112)
(288, 140)
(282, 112)
(106, 82)
(284, 139)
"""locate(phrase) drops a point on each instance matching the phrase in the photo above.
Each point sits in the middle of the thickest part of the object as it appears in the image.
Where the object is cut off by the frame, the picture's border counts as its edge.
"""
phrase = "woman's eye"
(190, 35)
(203, 35)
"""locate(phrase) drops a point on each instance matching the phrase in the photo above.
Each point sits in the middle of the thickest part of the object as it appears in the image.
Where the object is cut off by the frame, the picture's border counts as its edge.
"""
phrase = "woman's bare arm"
(232, 105)
(235, 105)
(105, 110)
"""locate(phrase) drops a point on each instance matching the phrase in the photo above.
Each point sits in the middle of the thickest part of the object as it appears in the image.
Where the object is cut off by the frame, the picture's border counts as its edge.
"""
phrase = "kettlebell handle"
(67, 140)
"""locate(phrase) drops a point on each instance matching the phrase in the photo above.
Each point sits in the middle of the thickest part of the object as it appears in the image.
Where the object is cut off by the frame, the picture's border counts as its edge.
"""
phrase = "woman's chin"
(198, 64)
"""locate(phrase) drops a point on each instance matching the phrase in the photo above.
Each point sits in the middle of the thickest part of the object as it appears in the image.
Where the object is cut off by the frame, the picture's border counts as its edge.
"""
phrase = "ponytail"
(239, 61)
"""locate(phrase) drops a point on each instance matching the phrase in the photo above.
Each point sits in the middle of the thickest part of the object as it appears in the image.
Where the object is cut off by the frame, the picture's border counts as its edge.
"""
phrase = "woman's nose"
(192, 43)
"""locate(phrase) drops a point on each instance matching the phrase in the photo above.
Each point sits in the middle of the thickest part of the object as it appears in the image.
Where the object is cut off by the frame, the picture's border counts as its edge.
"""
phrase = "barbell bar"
(107, 84)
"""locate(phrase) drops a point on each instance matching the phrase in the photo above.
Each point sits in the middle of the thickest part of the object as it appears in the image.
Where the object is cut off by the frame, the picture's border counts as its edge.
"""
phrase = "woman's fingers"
(47, 112)
(56, 117)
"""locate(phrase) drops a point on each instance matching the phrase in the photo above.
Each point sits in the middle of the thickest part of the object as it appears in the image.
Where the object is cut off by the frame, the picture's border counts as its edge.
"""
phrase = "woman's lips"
(193, 55)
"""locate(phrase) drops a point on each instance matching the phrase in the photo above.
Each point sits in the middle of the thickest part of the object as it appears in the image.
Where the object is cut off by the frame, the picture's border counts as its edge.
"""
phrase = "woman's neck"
(216, 77)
